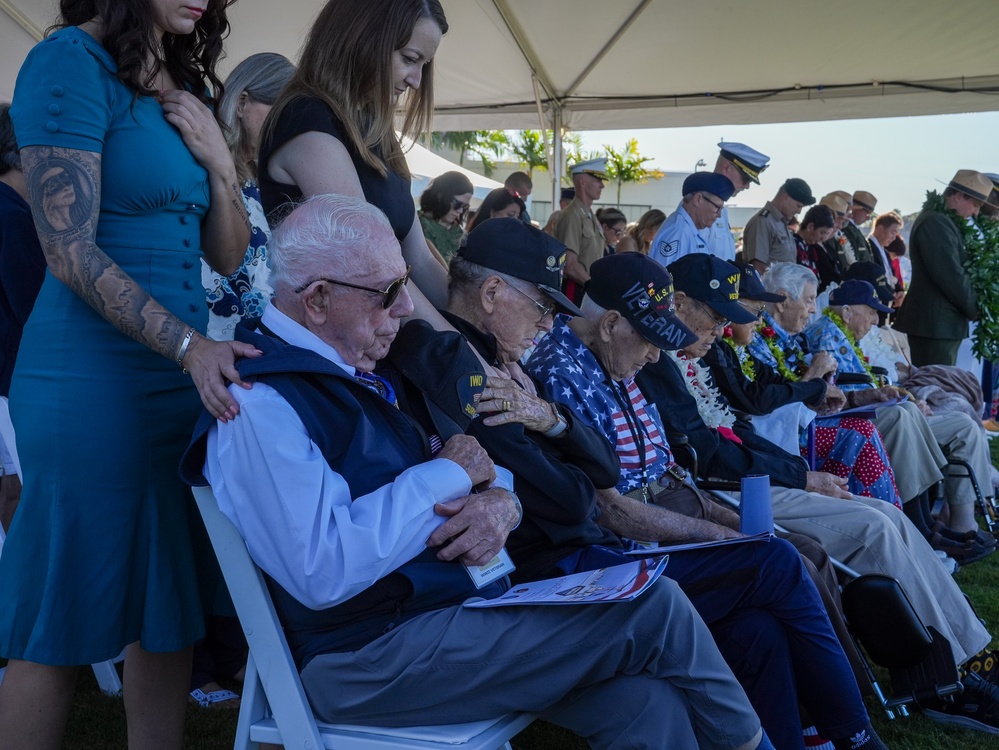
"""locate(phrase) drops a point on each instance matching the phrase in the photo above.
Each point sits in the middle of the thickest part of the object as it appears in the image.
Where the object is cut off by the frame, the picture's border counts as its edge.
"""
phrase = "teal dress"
(99, 553)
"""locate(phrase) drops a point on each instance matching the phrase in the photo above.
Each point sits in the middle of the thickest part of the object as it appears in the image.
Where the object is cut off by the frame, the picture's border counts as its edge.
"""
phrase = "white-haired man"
(361, 530)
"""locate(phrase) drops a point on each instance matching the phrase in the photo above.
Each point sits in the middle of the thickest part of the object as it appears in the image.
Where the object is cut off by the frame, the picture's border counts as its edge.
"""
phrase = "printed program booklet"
(620, 583)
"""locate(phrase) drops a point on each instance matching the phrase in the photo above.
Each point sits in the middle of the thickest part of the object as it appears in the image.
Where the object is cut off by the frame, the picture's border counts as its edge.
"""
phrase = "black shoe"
(976, 708)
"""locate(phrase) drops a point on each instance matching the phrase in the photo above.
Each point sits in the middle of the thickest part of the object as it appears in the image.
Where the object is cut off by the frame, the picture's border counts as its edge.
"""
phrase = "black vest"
(369, 443)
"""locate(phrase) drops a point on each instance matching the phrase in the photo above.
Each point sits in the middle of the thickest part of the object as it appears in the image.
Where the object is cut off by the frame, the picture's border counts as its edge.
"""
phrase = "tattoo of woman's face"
(63, 194)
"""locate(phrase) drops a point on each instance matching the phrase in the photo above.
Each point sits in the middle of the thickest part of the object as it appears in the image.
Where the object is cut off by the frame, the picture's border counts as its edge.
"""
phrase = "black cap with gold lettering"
(641, 290)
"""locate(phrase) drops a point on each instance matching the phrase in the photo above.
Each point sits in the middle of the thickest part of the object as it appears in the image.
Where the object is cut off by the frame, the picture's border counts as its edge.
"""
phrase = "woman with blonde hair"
(639, 237)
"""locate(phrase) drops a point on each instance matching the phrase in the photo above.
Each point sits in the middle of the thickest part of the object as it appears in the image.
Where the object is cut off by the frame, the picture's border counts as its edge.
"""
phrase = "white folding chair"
(274, 707)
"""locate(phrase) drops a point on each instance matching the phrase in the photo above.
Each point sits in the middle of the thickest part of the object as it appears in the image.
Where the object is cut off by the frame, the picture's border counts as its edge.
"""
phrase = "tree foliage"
(628, 165)
(486, 145)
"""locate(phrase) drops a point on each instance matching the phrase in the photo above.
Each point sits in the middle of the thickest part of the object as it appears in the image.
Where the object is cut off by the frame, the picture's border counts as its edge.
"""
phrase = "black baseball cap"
(857, 292)
(714, 282)
(523, 251)
(642, 291)
(751, 285)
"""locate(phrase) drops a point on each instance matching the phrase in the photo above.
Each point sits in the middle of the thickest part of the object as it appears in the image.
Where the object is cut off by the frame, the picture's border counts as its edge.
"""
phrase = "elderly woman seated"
(849, 447)
(852, 313)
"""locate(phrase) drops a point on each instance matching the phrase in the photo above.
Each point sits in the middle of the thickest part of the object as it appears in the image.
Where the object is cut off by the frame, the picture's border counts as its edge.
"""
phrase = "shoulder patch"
(470, 387)
(765, 212)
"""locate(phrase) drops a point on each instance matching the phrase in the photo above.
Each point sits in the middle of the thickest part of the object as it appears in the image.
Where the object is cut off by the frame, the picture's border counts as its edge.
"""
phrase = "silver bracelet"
(183, 347)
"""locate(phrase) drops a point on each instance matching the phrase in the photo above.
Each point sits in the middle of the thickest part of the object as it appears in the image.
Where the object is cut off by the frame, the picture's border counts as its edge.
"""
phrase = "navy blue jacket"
(717, 456)
(369, 442)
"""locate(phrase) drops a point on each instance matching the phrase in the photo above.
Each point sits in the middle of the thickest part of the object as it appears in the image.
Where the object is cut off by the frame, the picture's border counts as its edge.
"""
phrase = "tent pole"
(557, 154)
(21, 20)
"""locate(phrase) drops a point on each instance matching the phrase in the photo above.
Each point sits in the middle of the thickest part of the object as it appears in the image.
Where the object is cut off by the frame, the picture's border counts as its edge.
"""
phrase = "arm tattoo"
(237, 203)
(64, 191)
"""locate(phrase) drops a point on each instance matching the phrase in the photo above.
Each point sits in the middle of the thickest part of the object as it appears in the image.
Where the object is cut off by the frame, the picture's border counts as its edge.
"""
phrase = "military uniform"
(767, 237)
(579, 230)
(718, 239)
(861, 250)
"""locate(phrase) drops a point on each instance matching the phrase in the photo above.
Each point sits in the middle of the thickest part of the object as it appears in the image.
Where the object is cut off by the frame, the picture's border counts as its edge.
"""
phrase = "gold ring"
(507, 405)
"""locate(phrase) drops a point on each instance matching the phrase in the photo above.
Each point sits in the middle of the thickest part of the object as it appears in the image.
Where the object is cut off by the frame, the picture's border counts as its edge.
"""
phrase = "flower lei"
(709, 404)
(745, 361)
(981, 264)
(769, 336)
(858, 352)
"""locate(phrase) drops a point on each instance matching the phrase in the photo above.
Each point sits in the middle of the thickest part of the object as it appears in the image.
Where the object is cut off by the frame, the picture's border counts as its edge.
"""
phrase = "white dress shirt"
(300, 523)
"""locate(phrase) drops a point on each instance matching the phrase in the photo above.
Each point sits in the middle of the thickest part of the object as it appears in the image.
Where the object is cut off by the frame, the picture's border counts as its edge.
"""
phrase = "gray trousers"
(873, 536)
(641, 674)
(959, 436)
(915, 456)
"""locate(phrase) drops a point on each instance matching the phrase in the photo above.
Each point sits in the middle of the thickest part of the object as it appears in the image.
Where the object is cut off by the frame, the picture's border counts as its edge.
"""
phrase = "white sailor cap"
(595, 167)
(749, 161)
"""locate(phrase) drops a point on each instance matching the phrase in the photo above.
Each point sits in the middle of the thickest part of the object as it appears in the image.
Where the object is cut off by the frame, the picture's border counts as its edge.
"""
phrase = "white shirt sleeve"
(296, 514)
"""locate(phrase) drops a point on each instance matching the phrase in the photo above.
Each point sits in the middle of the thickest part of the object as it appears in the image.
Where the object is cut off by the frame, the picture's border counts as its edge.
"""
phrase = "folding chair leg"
(107, 677)
(252, 707)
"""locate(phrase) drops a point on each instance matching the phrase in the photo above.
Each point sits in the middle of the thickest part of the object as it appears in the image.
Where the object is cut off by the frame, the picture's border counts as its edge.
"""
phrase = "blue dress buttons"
(193, 307)
(188, 285)
(52, 126)
(54, 109)
(187, 243)
(188, 264)
(57, 91)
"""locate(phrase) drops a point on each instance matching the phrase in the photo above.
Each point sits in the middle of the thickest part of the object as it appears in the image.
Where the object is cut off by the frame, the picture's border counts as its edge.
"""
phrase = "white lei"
(709, 403)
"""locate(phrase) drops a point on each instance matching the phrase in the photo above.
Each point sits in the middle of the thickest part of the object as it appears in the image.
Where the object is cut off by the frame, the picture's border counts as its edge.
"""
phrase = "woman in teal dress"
(129, 178)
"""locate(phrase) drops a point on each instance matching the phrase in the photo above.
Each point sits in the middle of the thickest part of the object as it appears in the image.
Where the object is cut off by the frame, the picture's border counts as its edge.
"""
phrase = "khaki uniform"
(767, 237)
(579, 230)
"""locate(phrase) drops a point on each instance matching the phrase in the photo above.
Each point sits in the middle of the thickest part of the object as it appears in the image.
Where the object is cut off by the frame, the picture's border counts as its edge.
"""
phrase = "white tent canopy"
(658, 63)
(424, 165)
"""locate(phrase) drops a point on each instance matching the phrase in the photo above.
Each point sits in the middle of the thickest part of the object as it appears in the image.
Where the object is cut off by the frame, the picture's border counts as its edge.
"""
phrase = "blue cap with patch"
(709, 182)
(748, 160)
(857, 292)
(642, 291)
(525, 252)
(714, 282)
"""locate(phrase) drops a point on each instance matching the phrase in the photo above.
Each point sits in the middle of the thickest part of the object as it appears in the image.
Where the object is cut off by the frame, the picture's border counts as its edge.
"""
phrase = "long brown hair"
(347, 63)
(127, 27)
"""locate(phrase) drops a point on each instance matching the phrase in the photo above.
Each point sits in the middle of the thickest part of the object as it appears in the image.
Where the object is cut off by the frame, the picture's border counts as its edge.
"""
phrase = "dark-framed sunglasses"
(390, 293)
(458, 206)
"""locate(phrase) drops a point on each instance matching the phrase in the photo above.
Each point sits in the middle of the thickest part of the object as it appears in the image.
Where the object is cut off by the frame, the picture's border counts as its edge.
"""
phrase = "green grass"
(98, 721)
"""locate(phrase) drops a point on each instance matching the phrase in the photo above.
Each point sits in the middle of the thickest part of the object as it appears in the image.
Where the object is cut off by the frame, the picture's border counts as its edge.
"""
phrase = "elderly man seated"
(917, 444)
(764, 612)
(361, 532)
(852, 313)
(871, 536)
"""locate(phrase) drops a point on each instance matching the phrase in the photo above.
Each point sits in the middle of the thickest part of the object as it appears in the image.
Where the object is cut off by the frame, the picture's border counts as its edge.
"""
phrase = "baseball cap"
(523, 251)
(857, 292)
(709, 182)
(714, 282)
(751, 285)
(642, 291)
(873, 274)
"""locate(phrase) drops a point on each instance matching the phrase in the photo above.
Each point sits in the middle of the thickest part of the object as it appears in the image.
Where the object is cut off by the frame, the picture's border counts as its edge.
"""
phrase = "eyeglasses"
(457, 205)
(717, 323)
(390, 293)
(758, 312)
(619, 232)
(716, 206)
(544, 309)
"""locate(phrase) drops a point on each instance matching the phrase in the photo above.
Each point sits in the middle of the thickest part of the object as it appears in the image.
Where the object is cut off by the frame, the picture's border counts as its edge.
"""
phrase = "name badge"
(499, 566)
